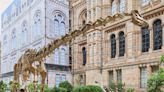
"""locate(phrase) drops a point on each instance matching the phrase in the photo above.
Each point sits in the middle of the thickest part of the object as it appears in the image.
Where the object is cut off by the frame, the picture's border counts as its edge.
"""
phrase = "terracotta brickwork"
(98, 43)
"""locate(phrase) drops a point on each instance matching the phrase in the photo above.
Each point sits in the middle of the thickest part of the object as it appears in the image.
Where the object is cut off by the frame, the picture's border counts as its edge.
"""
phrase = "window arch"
(121, 44)
(84, 55)
(145, 39)
(63, 56)
(157, 29)
(59, 24)
(145, 2)
(113, 46)
(24, 33)
(62, 26)
(5, 47)
(13, 38)
(56, 27)
(114, 7)
(56, 56)
(82, 18)
(37, 24)
(122, 5)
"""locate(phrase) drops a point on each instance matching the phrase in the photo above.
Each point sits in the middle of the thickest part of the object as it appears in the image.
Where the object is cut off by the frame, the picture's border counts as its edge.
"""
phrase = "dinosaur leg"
(34, 71)
(43, 75)
(25, 79)
(15, 77)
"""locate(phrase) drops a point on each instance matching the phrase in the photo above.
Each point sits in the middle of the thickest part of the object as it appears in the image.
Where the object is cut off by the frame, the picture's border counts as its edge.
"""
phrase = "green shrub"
(130, 90)
(63, 90)
(112, 86)
(119, 87)
(82, 89)
(66, 85)
(95, 88)
(3, 86)
(156, 81)
(47, 89)
(90, 88)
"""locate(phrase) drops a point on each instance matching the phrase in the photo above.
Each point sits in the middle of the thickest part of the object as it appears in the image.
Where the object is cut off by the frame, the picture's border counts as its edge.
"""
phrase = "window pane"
(121, 44)
(157, 34)
(143, 77)
(145, 40)
(113, 46)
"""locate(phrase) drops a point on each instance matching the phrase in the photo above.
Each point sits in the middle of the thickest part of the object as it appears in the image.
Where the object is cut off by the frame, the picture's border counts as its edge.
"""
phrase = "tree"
(156, 81)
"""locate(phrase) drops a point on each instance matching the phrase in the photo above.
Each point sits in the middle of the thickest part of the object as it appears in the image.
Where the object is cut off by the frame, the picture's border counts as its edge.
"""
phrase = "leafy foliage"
(81, 89)
(3, 86)
(66, 85)
(116, 87)
(89, 88)
(156, 81)
(130, 90)
(12, 85)
(95, 88)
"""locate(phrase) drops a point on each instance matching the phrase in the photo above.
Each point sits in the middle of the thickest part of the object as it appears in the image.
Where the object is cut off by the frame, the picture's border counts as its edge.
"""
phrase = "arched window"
(37, 24)
(5, 47)
(56, 27)
(84, 55)
(56, 56)
(113, 46)
(59, 25)
(157, 29)
(145, 40)
(145, 2)
(63, 56)
(121, 44)
(122, 6)
(114, 7)
(62, 26)
(24, 33)
(13, 39)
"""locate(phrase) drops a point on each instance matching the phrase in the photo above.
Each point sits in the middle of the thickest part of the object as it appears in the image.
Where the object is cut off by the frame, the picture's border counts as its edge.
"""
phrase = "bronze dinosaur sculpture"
(25, 64)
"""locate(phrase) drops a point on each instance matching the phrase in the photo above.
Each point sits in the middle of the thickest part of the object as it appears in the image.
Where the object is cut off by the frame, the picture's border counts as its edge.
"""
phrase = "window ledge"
(154, 3)
(144, 53)
(155, 51)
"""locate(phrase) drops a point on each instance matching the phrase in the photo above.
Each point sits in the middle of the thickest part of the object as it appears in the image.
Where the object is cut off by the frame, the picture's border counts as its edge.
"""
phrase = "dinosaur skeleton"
(24, 66)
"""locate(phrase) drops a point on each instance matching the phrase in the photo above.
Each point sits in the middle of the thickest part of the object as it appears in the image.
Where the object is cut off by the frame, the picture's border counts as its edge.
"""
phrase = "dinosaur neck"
(49, 48)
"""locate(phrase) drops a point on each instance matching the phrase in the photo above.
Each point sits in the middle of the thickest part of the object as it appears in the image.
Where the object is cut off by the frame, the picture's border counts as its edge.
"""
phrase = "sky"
(3, 5)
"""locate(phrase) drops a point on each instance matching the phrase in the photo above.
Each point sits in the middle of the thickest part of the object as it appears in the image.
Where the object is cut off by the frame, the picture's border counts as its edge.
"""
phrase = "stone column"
(109, 47)
(106, 8)
(118, 5)
(117, 45)
(163, 36)
(151, 40)
(114, 76)
(131, 41)
(149, 70)
(139, 34)
(109, 7)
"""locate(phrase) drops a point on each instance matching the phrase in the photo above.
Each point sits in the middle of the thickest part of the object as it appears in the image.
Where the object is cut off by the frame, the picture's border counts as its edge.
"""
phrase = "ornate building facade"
(119, 51)
(33, 24)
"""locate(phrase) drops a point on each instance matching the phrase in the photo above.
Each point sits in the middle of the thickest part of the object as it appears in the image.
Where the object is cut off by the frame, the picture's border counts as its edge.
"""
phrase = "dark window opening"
(113, 46)
(84, 56)
(121, 44)
(157, 29)
(145, 40)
